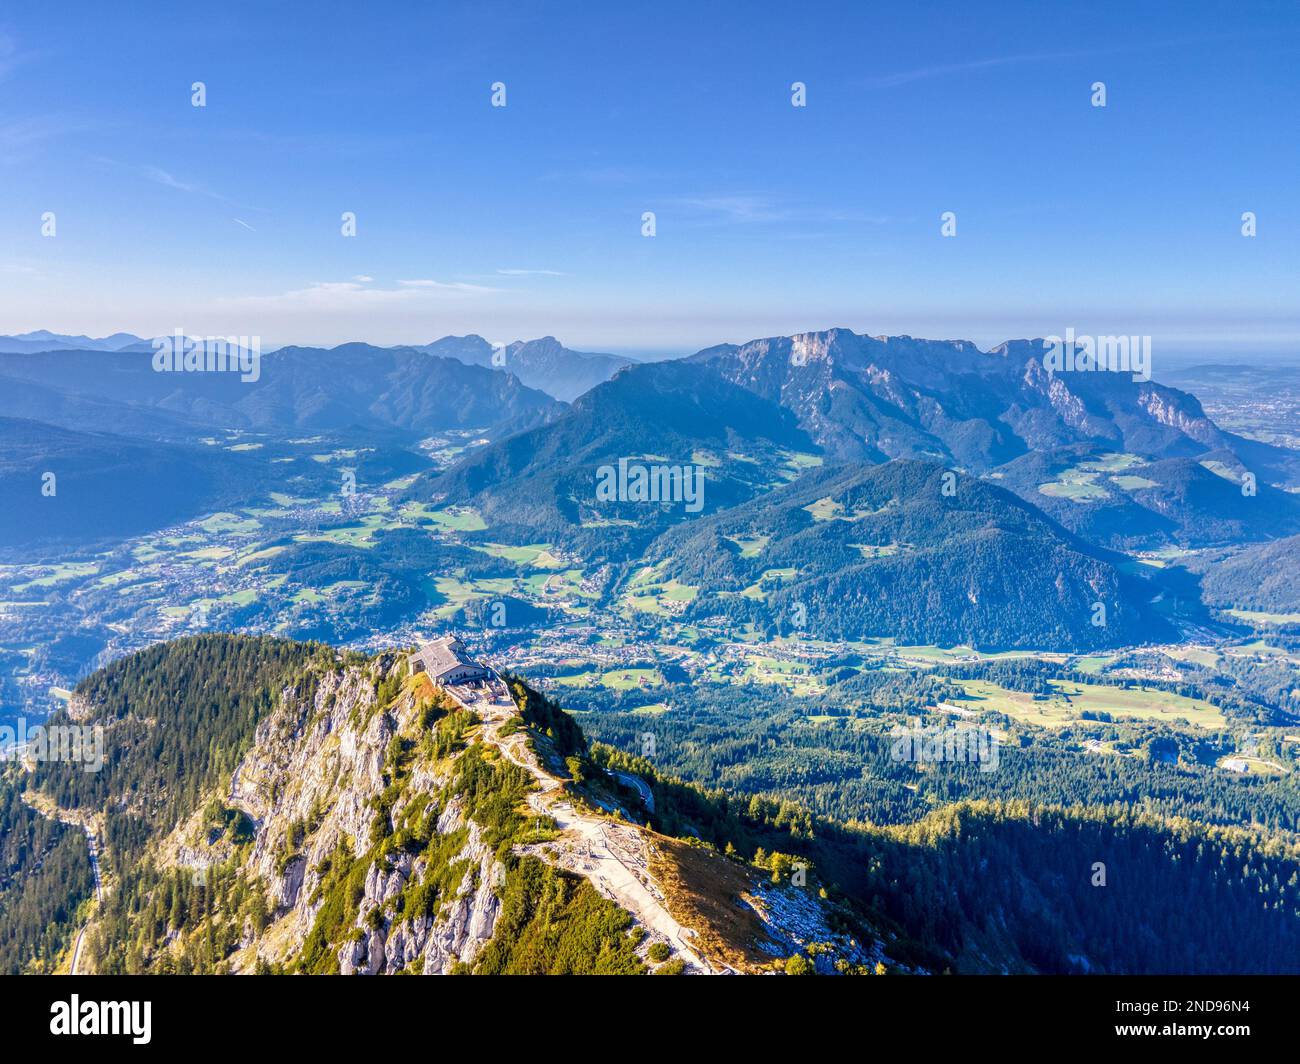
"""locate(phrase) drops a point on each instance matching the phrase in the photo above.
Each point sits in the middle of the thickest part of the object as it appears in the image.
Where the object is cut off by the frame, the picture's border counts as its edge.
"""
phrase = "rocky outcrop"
(312, 785)
(433, 945)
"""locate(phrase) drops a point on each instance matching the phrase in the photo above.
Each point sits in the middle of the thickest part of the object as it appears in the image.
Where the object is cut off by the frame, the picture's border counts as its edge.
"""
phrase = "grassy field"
(614, 680)
(870, 550)
(771, 578)
(1133, 483)
(1078, 485)
(457, 519)
(751, 546)
(1256, 617)
(58, 574)
(1196, 655)
(1111, 462)
(1083, 484)
(796, 676)
(1070, 700)
(231, 524)
(648, 592)
(826, 509)
(537, 555)
(1094, 662)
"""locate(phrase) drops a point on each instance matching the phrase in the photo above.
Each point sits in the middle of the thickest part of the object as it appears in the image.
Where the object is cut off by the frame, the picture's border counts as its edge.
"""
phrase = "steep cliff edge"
(375, 824)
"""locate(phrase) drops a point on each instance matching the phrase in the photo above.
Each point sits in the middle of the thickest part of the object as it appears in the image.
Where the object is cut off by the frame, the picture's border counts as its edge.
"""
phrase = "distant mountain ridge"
(44, 340)
(876, 398)
(297, 388)
(73, 487)
(545, 363)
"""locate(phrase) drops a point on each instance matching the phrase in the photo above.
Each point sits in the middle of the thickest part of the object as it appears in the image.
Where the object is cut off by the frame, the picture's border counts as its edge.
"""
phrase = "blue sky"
(526, 220)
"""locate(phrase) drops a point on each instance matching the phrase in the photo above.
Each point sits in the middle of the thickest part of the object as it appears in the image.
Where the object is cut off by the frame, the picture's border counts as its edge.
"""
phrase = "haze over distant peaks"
(44, 340)
(545, 363)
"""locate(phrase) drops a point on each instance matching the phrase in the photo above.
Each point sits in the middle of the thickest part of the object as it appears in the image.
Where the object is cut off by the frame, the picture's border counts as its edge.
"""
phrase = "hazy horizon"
(770, 218)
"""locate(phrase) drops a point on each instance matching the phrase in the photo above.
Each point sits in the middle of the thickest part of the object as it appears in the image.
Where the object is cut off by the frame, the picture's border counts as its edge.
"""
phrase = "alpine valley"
(693, 733)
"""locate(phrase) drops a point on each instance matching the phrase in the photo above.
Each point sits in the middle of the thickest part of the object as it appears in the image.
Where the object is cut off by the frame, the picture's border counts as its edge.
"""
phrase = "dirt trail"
(611, 855)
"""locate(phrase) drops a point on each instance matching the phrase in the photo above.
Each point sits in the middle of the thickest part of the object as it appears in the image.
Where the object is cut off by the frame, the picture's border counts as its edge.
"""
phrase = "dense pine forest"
(1019, 886)
(44, 875)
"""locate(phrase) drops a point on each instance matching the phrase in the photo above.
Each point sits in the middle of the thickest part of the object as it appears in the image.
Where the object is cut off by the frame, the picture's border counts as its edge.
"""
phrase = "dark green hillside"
(542, 483)
(1263, 578)
(44, 874)
(178, 717)
(1212, 508)
(108, 486)
(391, 578)
(1009, 886)
(852, 552)
(833, 754)
(1128, 504)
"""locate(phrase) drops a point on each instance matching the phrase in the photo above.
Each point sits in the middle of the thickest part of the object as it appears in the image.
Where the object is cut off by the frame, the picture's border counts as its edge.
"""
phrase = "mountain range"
(298, 389)
(792, 440)
(544, 364)
(44, 340)
(885, 551)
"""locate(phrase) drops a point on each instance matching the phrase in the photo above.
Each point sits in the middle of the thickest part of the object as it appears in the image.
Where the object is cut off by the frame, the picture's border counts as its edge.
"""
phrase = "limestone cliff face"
(432, 945)
(313, 786)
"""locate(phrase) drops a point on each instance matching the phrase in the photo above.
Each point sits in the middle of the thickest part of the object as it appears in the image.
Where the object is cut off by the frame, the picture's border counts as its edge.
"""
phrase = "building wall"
(462, 673)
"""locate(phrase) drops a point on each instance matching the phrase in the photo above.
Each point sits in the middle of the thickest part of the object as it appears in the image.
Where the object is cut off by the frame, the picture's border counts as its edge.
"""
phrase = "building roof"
(440, 655)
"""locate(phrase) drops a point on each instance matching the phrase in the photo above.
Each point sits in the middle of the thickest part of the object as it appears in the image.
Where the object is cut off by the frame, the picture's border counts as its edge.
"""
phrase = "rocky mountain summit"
(378, 824)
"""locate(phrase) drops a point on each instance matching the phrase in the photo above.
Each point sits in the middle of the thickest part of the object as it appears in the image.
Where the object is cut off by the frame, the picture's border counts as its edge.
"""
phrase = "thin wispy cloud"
(356, 295)
(976, 66)
(11, 56)
(943, 70)
(739, 208)
(530, 273)
(8, 52)
(240, 221)
(600, 175)
(162, 177)
(167, 179)
(447, 286)
(758, 209)
(19, 138)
